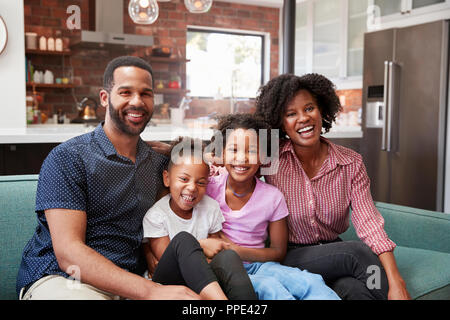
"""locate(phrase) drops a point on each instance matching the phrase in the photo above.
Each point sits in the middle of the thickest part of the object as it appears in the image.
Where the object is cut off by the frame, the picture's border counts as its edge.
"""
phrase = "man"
(93, 192)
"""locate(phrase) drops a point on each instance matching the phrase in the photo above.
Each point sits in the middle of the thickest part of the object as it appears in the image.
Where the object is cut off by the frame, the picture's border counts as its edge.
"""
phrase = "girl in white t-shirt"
(177, 228)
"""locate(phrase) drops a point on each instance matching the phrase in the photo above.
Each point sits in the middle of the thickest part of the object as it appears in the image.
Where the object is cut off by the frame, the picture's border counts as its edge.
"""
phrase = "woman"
(321, 181)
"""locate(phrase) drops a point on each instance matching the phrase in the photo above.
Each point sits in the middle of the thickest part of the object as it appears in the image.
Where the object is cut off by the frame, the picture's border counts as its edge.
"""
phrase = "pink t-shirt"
(247, 227)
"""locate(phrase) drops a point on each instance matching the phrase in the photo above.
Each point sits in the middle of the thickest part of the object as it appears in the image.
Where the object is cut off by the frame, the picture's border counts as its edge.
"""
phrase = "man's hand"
(160, 292)
(212, 246)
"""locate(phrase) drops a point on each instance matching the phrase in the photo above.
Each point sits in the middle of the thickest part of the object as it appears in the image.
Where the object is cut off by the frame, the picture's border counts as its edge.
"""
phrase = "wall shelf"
(168, 59)
(172, 91)
(53, 85)
(48, 53)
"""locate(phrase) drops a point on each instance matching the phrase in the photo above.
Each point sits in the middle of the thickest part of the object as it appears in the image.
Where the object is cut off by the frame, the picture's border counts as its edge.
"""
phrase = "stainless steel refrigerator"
(405, 98)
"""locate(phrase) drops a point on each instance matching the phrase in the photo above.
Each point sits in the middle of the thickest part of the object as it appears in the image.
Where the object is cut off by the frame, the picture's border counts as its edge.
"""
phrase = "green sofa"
(422, 237)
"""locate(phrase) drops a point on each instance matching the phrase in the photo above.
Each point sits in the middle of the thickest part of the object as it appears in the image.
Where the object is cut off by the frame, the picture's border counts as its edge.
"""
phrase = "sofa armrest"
(416, 228)
(411, 227)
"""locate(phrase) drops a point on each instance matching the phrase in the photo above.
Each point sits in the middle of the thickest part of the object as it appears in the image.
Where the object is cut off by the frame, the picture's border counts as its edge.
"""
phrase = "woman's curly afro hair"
(274, 97)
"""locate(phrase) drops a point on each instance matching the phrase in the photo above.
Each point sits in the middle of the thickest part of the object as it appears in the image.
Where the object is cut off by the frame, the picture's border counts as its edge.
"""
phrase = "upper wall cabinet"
(329, 34)
(329, 39)
(383, 14)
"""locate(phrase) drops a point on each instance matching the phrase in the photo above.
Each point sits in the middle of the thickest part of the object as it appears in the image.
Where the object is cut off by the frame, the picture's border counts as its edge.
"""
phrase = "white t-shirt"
(161, 221)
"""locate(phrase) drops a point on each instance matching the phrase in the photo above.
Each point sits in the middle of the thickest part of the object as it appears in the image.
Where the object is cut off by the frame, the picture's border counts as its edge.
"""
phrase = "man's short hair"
(123, 61)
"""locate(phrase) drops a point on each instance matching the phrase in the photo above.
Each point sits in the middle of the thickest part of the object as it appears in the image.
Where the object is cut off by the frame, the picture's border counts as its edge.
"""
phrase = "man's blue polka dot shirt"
(87, 174)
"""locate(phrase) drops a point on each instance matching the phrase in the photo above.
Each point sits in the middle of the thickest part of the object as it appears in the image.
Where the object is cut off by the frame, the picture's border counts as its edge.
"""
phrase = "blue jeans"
(273, 281)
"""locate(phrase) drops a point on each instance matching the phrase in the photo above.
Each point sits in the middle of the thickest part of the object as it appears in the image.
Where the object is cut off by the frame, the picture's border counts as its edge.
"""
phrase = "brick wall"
(45, 17)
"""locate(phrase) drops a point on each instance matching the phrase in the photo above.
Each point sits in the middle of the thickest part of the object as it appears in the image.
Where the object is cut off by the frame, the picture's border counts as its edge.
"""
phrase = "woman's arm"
(369, 225)
(278, 233)
(397, 286)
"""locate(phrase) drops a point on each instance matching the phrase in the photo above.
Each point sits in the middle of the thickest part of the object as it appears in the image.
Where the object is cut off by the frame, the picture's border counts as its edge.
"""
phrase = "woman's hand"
(397, 286)
(397, 290)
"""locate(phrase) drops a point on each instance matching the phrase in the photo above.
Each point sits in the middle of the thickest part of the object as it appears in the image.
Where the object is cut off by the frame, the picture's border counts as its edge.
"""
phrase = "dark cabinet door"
(18, 159)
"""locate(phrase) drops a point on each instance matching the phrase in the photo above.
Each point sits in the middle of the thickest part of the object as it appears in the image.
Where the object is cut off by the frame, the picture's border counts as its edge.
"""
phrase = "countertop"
(57, 133)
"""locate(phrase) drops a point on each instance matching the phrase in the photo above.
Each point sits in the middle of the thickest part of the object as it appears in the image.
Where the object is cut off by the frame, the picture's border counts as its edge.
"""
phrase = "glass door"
(327, 38)
(302, 65)
(424, 3)
(388, 7)
(357, 25)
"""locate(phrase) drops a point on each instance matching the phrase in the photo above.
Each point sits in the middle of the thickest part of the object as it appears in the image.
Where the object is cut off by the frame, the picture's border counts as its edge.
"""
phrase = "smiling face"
(187, 182)
(241, 155)
(130, 100)
(302, 120)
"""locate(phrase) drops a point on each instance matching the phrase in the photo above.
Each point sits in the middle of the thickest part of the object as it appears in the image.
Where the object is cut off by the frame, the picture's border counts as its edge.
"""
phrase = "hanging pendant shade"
(143, 11)
(198, 6)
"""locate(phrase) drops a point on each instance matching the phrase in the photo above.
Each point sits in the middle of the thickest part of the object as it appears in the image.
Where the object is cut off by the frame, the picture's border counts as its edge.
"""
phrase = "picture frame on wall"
(3, 35)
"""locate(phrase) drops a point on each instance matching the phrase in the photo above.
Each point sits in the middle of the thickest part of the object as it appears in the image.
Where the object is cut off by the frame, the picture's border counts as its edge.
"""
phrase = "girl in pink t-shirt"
(253, 210)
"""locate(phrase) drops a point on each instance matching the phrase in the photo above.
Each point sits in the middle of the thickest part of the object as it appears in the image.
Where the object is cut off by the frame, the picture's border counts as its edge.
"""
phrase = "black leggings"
(184, 263)
(346, 266)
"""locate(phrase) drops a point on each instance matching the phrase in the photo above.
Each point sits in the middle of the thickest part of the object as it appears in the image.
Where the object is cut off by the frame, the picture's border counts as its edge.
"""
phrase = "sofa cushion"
(426, 272)
(18, 222)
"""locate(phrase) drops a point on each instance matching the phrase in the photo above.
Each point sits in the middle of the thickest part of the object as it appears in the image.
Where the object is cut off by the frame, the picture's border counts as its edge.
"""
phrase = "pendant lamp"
(198, 6)
(143, 11)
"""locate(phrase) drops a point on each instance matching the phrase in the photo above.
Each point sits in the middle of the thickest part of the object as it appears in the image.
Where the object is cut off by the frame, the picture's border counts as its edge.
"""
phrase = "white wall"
(12, 67)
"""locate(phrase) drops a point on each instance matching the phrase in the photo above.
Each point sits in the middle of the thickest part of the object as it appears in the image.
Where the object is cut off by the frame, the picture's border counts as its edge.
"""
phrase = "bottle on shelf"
(51, 44)
(30, 104)
(58, 41)
(60, 116)
(43, 43)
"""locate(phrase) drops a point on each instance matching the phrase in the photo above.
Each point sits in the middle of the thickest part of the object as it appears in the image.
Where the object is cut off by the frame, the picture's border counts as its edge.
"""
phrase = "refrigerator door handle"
(385, 105)
(389, 108)
(393, 78)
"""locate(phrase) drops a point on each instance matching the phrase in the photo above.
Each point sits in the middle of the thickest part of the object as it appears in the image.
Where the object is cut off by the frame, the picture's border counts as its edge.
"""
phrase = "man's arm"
(68, 230)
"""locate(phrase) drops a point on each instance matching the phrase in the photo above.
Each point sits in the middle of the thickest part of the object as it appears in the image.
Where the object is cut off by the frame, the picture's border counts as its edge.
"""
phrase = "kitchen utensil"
(87, 110)
(161, 52)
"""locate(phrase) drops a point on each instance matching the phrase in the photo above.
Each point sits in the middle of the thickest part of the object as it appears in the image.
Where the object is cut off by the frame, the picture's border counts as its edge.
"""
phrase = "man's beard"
(120, 122)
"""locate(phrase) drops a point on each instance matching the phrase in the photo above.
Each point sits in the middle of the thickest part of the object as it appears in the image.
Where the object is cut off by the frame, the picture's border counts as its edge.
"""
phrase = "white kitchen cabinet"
(385, 14)
(329, 39)
(329, 34)
(357, 25)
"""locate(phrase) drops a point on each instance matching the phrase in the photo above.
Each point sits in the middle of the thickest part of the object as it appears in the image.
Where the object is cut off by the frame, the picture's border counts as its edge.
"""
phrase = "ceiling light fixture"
(198, 6)
(143, 11)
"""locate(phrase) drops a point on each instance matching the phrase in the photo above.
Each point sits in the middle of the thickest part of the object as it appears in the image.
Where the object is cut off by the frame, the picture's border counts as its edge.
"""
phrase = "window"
(224, 64)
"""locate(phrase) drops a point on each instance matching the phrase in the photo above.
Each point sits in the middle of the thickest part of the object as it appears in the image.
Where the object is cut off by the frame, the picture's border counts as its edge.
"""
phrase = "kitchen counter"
(52, 133)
